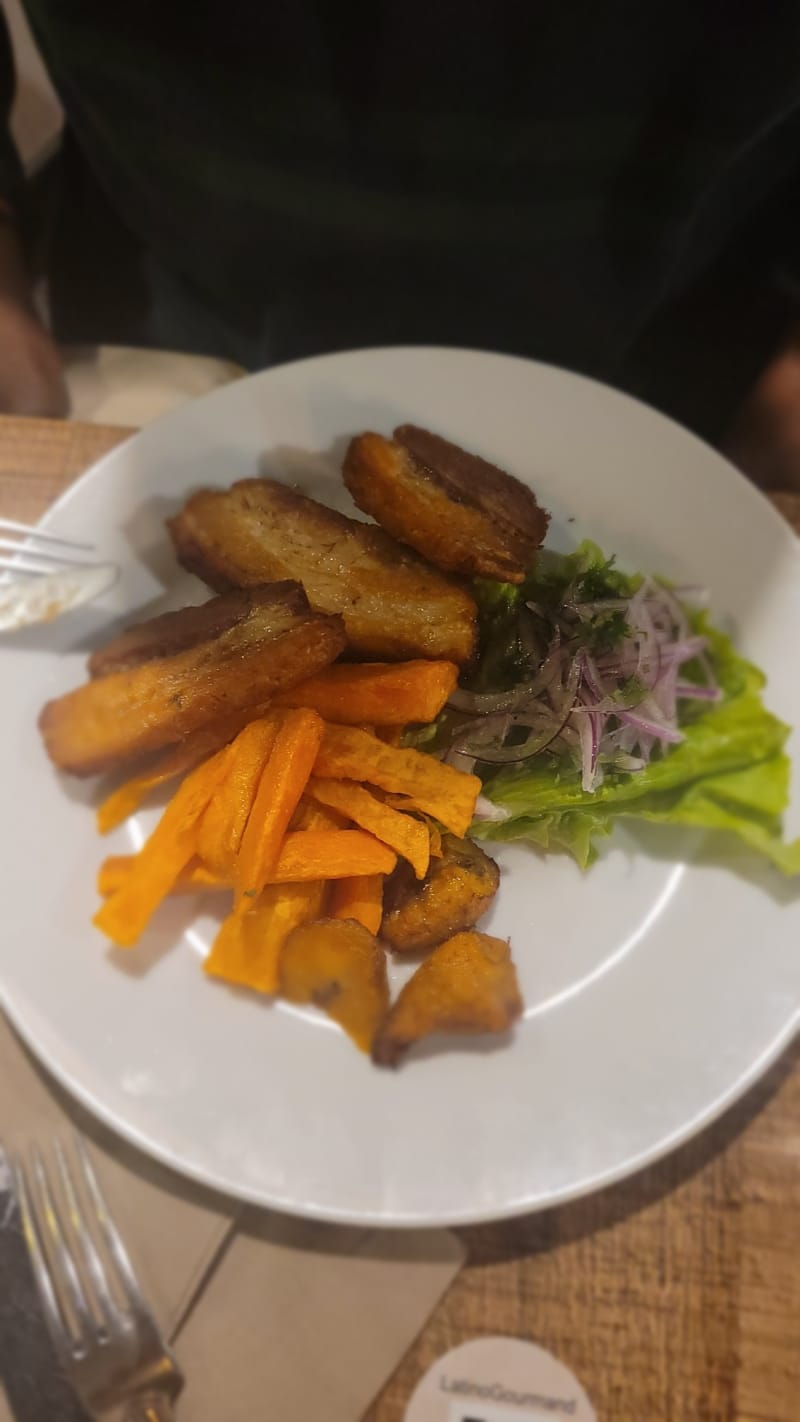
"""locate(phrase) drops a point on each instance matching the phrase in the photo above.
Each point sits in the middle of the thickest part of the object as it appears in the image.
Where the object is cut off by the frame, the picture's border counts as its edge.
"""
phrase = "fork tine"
(31, 556)
(79, 1259)
(51, 1224)
(52, 555)
(10, 525)
(82, 1237)
(112, 1237)
(13, 565)
(55, 1318)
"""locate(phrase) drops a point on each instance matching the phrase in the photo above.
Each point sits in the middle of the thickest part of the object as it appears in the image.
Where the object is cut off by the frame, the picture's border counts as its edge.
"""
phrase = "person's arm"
(764, 435)
(764, 440)
(31, 378)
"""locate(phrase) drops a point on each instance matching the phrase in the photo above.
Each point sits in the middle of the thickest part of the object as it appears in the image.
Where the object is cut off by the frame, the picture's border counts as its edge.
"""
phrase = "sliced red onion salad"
(607, 708)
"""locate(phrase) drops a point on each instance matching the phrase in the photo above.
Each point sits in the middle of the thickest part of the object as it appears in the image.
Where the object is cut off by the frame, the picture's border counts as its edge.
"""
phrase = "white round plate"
(658, 985)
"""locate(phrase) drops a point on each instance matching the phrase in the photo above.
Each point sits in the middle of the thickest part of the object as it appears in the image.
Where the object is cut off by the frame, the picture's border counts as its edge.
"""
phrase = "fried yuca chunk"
(270, 640)
(338, 965)
(394, 605)
(468, 984)
(462, 513)
(457, 890)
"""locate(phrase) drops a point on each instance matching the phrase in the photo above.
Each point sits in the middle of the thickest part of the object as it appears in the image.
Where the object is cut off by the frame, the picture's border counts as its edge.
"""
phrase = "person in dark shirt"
(613, 188)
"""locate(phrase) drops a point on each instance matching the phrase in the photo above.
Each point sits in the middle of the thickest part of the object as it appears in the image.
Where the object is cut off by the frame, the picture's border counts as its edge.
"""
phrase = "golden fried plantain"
(178, 631)
(460, 512)
(341, 967)
(394, 605)
(274, 642)
(457, 890)
(468, 984)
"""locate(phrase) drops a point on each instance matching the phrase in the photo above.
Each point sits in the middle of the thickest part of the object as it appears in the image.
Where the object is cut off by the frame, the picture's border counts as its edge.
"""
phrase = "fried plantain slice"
(272, 641)
(457, 890)
(394, 605)
(341, 967)
(178, 631)
(468, 984)
(466, 516)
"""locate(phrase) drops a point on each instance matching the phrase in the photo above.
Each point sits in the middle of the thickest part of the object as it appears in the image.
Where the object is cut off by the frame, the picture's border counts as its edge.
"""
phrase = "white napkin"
(274, 1317)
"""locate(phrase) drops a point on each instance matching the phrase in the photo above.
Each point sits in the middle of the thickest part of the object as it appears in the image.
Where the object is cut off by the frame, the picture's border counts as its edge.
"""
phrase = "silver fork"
(40, 578)
(105, 1337)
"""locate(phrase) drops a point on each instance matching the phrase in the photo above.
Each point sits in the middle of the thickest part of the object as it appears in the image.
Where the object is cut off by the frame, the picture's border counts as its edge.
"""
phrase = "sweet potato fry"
(310, 815)
(383, 694)
(126, 798)
(339, 966)
(407, 806)
(113, 873)
(282, 782)
(439, 790)
(405, 835)
(126, 913)
(223, 824)
(247, 949)
(116, 871)
(468, 984)
(360, 898)
(305, 855)
(331, 854)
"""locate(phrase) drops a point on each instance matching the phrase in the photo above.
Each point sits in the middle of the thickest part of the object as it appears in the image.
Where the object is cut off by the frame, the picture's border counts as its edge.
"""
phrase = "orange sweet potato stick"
(247, 948)
(117, 869)
(443, 792)
(378, 693)
(360, 898)
(331, 854)
(126, 798)
(305, 855)
(282, 783)
(224, 821)
(409, 837)
(154, 870)
(310, 815)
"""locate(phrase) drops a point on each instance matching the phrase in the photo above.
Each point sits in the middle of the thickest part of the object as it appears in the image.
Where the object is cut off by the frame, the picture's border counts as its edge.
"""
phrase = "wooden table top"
(674, 1296)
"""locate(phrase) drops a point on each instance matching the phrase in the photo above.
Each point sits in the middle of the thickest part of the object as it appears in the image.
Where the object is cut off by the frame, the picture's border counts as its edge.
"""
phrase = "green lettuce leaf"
(729, 774)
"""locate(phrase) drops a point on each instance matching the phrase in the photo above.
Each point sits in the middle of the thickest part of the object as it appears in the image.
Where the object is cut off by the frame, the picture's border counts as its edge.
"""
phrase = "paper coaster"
(499, 1380)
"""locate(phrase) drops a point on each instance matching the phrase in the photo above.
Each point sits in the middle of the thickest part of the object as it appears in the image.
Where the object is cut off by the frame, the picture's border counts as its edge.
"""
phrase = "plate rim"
(397, 1221)
(757, 495)
(631, 1165)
